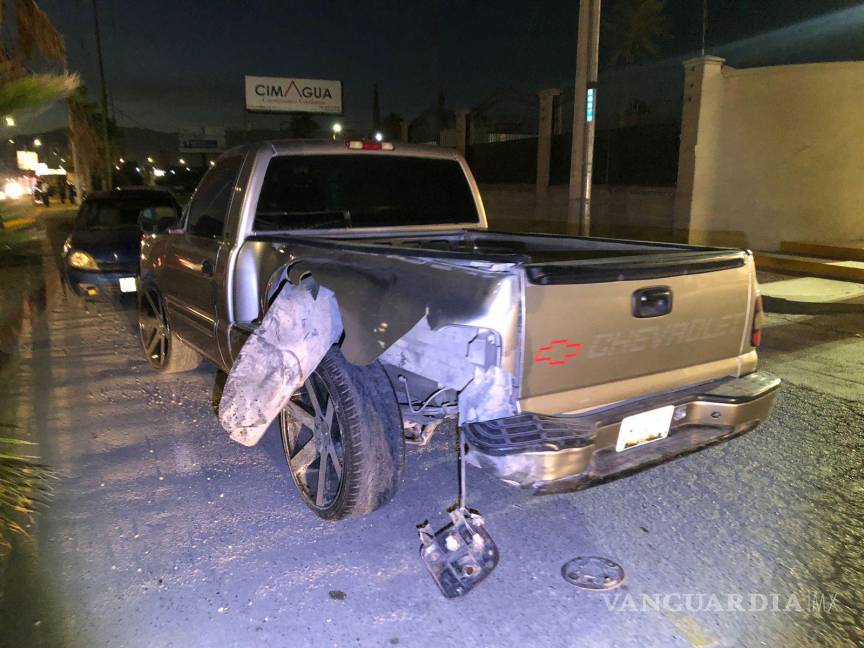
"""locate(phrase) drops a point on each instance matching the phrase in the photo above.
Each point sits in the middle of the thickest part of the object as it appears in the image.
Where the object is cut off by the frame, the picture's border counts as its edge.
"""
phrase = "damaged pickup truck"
(352, 290)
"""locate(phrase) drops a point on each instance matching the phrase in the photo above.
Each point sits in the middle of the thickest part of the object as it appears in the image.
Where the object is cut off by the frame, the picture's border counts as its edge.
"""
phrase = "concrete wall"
(772, 154)
(630, 212)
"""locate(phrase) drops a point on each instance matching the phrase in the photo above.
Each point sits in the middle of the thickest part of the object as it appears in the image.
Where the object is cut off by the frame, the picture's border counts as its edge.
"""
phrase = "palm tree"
(34, 39)
(635, 30)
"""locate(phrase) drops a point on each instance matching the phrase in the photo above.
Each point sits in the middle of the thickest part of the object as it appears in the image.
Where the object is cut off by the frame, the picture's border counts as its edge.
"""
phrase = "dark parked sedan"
(101, 253)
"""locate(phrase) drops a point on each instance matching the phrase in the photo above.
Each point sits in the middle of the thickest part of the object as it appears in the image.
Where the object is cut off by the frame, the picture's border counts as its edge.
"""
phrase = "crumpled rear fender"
(369, 302)
(382, 297)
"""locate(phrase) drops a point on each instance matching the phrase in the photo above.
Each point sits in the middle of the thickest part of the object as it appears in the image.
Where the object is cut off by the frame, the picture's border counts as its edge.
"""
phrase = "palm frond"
(636, 29)
(23, 486)
(35, 90)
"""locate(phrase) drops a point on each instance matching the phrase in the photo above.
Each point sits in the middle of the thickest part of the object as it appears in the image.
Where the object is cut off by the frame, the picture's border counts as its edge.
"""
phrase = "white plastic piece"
(294, 335)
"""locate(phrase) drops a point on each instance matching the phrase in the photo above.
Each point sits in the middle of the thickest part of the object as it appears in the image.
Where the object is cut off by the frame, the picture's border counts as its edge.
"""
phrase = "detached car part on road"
(379, 306)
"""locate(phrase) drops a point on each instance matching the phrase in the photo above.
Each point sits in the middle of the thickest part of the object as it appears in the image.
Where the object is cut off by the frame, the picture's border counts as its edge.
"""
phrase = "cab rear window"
(345, 191)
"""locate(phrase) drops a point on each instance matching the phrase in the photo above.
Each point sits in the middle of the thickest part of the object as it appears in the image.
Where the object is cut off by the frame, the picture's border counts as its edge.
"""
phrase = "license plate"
(644, 427)
(127, 284)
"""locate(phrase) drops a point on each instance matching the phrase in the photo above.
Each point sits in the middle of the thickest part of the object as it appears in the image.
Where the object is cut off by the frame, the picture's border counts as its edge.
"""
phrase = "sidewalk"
(814, 333)
(810, 295)
(19, 214)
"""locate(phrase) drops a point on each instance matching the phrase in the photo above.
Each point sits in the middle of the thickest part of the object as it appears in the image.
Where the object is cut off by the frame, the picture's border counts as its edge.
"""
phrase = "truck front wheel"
(342, 436)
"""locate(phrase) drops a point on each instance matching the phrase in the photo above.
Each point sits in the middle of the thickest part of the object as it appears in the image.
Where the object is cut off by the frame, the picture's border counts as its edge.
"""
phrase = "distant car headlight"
(13, 189)
(81, 260)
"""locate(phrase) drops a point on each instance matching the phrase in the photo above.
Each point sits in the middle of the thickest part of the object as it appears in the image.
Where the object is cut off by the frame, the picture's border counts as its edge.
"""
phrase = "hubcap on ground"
(593, 573)
(312, 438)
(152, 327)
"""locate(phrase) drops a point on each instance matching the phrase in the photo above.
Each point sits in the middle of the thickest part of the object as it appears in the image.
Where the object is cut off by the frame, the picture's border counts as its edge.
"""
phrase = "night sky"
(172, 64)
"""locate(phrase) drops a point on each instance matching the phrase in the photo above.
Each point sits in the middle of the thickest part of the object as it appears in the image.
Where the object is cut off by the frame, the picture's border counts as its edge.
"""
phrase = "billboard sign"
(282, 94)
(202, 140)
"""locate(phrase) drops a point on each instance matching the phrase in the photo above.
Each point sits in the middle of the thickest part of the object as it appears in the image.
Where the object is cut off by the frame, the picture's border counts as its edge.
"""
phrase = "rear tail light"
(361, 145)
(758, 321)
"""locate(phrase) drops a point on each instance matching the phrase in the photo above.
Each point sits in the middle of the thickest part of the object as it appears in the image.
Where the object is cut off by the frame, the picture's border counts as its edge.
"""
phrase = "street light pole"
(584, 107)
(106, 142)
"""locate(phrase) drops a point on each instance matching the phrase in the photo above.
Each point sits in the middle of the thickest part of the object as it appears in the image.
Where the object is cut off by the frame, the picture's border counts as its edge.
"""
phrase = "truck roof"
(325, 147)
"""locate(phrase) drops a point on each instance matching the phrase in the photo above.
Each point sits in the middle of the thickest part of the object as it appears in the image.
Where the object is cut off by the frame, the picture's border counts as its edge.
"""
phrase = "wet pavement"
(163, 532)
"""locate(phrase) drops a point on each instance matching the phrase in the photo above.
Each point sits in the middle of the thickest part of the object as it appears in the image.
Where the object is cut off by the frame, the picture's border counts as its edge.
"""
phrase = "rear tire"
(346, 419)
(163, 349)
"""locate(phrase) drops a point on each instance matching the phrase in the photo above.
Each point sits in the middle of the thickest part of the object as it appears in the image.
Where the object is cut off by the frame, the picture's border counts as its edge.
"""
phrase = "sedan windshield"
(341, 191)
(115, 213)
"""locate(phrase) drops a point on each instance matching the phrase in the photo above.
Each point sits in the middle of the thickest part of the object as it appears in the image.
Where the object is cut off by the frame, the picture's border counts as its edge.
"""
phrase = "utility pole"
(73, 149)
(106, 143)
(584, 106)
(704, 26)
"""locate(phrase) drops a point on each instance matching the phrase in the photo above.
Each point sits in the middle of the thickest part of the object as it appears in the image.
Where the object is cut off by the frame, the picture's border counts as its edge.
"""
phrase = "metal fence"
(645, 155)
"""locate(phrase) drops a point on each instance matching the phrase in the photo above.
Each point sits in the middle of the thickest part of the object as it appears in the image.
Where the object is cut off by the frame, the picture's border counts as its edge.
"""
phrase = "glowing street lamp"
(10, 120)
(379, 137)
(182, 162)
(337, 128)
(37, 142)
(149, 159)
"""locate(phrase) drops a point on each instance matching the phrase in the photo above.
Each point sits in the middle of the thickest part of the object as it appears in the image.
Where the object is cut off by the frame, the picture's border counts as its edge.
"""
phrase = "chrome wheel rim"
(153, 328)
(312, 439)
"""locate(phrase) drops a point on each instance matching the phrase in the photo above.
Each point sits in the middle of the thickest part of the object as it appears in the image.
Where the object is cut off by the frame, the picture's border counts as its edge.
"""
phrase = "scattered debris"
(337, 595)
(593, 573)
(462, 554)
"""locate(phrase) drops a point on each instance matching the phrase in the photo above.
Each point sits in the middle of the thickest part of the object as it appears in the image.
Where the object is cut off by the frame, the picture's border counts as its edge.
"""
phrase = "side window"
(212, 198)
(84, 214)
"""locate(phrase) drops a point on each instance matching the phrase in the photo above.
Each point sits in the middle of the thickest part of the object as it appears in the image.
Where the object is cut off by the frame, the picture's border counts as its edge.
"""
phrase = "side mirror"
(166, 223)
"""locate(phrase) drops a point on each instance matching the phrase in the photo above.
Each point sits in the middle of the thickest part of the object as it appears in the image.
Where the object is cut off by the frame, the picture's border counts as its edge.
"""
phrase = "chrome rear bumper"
(561, 453)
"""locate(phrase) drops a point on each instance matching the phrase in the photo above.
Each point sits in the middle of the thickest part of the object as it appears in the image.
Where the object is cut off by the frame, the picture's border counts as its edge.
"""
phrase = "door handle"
(207, 267)
(652, 302)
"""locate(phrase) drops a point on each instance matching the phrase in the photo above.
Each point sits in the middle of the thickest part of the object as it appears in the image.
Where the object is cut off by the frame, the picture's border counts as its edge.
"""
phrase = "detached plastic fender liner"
(296, 332)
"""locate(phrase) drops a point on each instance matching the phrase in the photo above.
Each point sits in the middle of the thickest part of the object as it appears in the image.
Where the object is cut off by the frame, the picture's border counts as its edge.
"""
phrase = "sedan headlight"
(81, 260)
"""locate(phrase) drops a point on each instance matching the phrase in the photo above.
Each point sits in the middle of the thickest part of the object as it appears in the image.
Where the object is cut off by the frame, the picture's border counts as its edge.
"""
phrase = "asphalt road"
(163, 532)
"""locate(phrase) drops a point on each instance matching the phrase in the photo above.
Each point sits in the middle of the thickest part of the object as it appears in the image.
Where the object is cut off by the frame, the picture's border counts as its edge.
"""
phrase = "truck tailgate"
(589, 342)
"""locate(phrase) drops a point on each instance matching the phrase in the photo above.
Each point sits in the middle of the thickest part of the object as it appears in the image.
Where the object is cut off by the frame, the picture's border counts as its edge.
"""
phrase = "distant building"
(504, 116)
(435, 125)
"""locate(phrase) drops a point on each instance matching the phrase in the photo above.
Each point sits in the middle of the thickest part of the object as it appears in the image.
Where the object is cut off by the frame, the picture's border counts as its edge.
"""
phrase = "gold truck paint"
(602, 354)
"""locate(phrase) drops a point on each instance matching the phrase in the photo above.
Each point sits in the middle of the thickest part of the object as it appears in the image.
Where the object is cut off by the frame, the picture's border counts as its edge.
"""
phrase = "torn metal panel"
(437, 355)
(489, 396)
(382, 297)
(462, 358)
(293, 337)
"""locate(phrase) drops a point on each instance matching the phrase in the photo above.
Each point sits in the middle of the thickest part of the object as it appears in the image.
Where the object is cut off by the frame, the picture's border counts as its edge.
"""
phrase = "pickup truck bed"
(491, 245)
